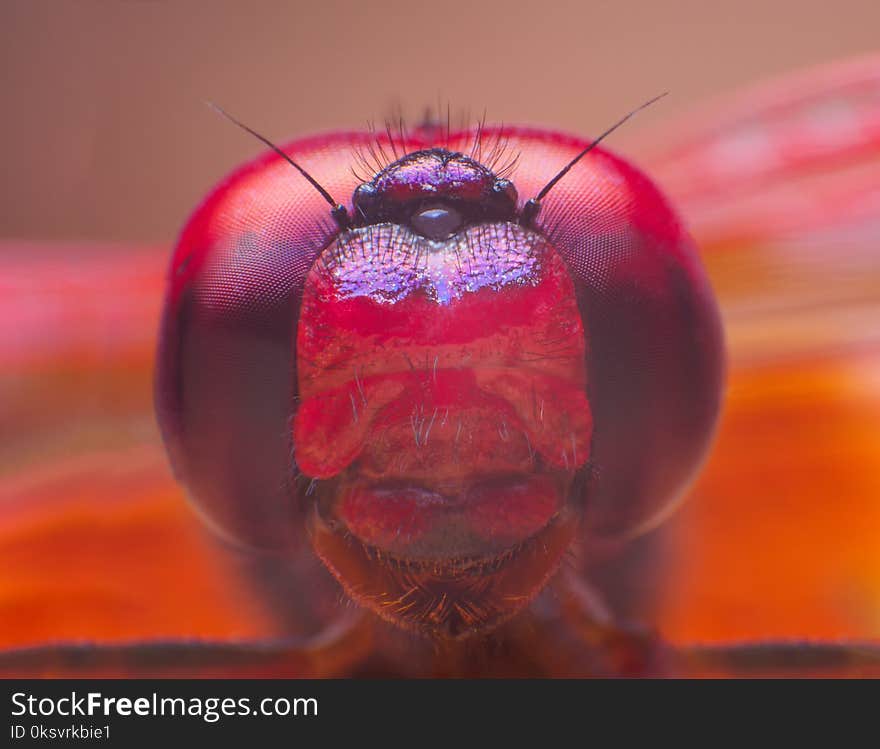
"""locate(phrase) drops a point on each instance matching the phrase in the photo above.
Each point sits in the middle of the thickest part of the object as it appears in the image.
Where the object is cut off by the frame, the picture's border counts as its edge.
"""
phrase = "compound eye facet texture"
(226, 369)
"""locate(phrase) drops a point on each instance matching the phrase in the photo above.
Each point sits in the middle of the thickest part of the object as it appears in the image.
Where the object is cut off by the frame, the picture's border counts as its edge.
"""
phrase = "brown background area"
(105, 135)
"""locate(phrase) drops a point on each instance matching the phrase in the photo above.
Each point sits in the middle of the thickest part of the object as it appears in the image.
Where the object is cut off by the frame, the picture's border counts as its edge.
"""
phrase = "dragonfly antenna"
(532, 206)
(338, 211)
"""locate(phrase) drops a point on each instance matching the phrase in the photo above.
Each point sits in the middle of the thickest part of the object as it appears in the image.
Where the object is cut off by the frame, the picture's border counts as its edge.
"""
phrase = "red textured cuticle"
(429, 175)
(487, 517)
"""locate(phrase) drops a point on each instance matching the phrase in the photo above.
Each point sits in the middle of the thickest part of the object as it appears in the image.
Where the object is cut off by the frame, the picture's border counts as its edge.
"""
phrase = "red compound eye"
(442, 390)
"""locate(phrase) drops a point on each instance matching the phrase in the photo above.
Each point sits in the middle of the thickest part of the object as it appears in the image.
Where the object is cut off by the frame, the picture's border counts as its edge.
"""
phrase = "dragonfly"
(768, 565)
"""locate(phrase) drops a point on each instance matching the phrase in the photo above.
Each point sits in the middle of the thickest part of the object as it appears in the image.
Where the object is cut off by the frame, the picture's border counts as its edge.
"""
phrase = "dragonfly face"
(443, 392)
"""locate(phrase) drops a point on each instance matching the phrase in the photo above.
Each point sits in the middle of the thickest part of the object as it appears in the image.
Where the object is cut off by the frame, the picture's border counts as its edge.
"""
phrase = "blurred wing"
(781, 184)
(96, 542)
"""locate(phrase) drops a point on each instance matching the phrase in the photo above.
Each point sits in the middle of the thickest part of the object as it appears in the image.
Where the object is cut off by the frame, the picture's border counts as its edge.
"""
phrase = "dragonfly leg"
(332, 653)
(568, 631)
(780, 659)
(628, 649)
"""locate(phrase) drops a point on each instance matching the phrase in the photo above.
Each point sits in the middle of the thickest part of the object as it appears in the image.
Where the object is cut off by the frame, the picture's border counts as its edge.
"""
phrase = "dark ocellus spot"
(436, 223)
